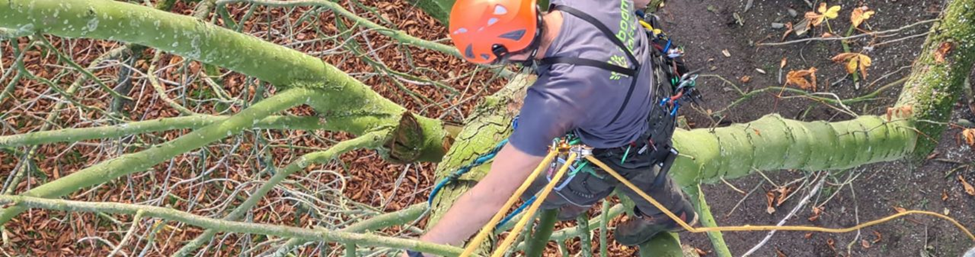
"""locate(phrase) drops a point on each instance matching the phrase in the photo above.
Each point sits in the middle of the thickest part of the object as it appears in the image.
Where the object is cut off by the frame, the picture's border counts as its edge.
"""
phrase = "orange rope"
(767, 228)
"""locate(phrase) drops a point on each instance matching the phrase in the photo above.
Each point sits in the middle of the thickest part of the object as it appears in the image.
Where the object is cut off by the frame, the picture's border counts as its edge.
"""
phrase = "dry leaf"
(779, 253)
(969, 135)
(782, 64)
(783, 192)
(944, 194)
(876, 234)
(700, 252)
(827, 35)
(824, 13)
(865, 244)
(798, 78)
(939, 55)
(968, 187)
(770, 198)
(808, 235)
(899, 209)
(900, 112)
(816, 211)
(745, 79)
(859, 15)
(726, 53)
(803, 26)
(831, 243)
(854, 61)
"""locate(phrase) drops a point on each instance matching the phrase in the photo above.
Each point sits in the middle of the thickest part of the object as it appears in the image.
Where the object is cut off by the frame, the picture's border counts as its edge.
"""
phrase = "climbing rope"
(766, 228)
(486, 157)
(586, 153)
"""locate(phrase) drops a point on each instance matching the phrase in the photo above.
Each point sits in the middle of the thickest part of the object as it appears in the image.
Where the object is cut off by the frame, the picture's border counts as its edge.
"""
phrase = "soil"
(704, 27)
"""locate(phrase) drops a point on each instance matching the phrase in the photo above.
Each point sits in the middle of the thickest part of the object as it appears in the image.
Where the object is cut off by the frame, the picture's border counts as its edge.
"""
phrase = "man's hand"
(476, 207)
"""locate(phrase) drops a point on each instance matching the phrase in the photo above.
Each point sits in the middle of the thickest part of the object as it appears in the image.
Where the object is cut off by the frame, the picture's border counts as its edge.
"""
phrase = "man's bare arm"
(476, 207)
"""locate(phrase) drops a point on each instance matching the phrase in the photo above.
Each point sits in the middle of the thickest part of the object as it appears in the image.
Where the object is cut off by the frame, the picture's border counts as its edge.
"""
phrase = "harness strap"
(589, 62)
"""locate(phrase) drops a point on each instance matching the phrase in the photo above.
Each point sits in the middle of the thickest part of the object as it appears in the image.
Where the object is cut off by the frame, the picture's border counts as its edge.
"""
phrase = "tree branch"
(140, 161)
(370, 140)
(231, 226)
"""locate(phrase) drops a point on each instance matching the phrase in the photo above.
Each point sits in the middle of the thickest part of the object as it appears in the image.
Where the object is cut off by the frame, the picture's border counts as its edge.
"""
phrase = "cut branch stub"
(408, 143)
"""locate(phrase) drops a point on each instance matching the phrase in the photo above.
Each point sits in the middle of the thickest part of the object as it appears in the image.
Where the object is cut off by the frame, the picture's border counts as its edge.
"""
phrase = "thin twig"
(787, 217)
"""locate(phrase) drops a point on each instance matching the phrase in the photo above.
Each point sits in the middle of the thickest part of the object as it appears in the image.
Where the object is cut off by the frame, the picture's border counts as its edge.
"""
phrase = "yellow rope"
(497, 217)
(534, 207)
(766, 228)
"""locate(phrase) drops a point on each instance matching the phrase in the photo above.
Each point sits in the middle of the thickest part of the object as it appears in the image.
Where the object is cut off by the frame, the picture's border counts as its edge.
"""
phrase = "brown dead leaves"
(774, 201)
(854, 61)
(859, 15)
(969, 135)
(942, 52)
(798, 78)
(968, 187)
(816, 212)
(900, 112)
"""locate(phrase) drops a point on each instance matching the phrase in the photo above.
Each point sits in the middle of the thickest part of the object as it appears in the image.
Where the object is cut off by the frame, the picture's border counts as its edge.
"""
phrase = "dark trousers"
(585, 189)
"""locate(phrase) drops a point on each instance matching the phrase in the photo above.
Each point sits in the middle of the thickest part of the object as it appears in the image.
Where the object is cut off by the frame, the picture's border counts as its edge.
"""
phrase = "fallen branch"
(371, 140)
(231, 226)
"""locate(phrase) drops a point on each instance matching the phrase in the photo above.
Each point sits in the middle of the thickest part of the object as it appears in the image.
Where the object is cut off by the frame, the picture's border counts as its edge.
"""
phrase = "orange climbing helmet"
(488, 31)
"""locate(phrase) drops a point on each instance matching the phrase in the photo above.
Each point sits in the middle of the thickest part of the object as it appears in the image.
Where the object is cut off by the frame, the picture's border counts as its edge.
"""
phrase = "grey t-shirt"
(584, 99)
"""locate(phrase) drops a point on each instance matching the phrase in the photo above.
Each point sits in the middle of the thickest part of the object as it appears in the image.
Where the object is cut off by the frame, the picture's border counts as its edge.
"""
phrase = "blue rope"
(516, 212)
(486, 157)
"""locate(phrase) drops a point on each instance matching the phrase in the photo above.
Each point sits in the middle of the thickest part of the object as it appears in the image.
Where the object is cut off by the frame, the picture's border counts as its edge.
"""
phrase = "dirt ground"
(704, 27)
(708, 27)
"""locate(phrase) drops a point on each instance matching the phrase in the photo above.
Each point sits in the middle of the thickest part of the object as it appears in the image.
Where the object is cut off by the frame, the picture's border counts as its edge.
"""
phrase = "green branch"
(231, 226)
(157, 125)
(370, 140)
(385, 220)
(140, 161)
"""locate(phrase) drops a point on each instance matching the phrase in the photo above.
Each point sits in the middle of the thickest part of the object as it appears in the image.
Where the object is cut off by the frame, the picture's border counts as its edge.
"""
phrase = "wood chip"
(899, 209)
(726, 53)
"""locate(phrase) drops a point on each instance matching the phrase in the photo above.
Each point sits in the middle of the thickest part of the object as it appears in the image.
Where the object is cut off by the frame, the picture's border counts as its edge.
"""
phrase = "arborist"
(594, 62)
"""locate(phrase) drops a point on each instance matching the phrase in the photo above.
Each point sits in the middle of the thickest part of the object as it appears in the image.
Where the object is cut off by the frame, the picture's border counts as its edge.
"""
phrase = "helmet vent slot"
(500, 10)
(514, 35)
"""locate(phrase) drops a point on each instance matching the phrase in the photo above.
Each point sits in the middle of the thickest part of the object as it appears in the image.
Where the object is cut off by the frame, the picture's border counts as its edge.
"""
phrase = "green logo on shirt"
(626, 35)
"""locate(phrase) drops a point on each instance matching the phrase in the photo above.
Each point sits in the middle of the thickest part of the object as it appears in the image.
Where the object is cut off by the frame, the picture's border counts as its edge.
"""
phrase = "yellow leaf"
(822, 7)
(851, 66)
(854, 61)
(832, 12)
(864, 63)
(859, 15)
